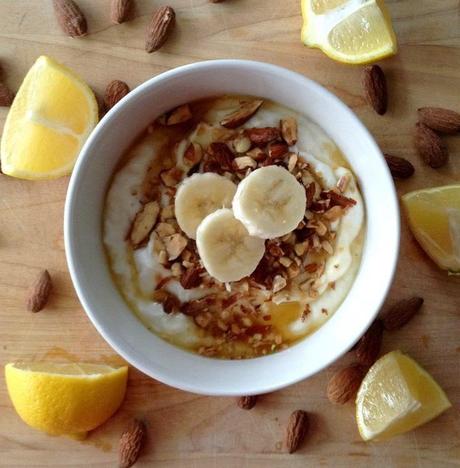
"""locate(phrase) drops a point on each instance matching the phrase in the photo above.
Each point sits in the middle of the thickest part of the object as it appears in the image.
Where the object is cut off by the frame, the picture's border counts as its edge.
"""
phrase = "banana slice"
(270, 202)
(227, 250)
(200, 195)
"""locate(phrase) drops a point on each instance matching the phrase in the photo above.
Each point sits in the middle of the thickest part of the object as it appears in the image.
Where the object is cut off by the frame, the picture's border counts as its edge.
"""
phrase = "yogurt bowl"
(90, 270)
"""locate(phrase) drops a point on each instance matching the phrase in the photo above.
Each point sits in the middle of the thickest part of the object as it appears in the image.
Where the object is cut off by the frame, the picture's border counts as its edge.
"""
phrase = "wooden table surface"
(188, 430)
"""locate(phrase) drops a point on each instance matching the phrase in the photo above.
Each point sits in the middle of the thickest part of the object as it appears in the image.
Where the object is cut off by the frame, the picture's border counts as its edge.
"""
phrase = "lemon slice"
(52, 115)
(396, 396)
(65, 398)
(434, 218)
(350, 31)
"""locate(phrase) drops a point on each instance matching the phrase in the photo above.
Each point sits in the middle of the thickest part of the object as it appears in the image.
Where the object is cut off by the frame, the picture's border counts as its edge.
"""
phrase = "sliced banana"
(227, 250)
(200, 195)
(270, 202)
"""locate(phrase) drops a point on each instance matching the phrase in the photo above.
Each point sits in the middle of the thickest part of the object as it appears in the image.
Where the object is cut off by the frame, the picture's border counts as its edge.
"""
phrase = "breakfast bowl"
(93, 277)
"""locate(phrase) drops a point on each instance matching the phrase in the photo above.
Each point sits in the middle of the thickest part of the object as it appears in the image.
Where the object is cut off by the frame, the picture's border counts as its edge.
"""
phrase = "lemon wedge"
(396, 396)
(68, 399)
(434, 219)
(349, 31)
(52, 115)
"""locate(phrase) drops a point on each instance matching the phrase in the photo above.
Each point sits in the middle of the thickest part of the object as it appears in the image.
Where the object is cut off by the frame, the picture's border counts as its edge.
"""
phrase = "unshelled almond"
(344, 384)
(368, 347)
(247, 402)
(39, 292)
(439, 119)
(430, 146)
(297, 429)
(6, 95)
(70, 18)
(401, 312)
(400, 168)
(115, 91)
(241, 115)
(120, 10)
(159, 28)
(131, 443)
(375, 88)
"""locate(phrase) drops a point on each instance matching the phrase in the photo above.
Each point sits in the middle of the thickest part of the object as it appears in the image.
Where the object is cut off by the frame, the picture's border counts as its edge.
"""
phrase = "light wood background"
(187, 430)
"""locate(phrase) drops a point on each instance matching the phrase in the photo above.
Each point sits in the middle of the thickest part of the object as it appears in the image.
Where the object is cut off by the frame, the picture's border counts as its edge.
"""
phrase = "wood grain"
(189, 430)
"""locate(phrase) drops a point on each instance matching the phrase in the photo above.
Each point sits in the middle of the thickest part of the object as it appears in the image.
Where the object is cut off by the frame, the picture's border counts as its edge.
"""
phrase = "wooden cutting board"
(188, 430)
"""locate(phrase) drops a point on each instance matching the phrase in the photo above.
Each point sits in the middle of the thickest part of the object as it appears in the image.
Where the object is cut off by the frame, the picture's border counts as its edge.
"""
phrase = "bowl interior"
(88, 266)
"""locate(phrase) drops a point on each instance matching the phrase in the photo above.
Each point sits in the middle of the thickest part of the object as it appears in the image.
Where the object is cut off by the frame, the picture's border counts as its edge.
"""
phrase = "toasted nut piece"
(144, 222)
(203, 320)
(179, 115)
(277, 150)
(301, 248)
(159, 28)
(241, 144)
(176, 269)
(171, 177)
(257, 154)
(342, 183)
(334, 213)
(296, 430)
(292, 162)
(247, 402)
(263, 136)
(191, 278)
(193, 154)
(289, 130)
(167, 212)
(221, 153)
(244, 162)
(168, 300)
(279, 283)
(242, 115)
(293, 270)
(165, 229)
(285, 261)
(175, 244)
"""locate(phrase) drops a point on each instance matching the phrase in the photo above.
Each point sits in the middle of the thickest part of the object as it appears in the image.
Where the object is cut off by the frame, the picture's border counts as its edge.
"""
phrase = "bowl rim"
(117, 345)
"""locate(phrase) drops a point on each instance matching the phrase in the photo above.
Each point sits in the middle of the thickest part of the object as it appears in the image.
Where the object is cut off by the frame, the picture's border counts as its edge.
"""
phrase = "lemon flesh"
(66, 399)
(52, 115)
(434, 219)
(350, 31)
(396, 396)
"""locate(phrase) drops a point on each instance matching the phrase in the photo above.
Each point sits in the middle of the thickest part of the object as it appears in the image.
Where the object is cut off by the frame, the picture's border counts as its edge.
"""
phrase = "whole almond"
(159, 28)
(400, 168)
(247, 402)
(115, 91)
(368, 347)
(119, 10)
(401, 312)
(344, 384)
(70, 18)
(375, 88)
(296, 430)
(6, 95)
(439, 119)
(131, 442)
(39, 292)
(430, 146)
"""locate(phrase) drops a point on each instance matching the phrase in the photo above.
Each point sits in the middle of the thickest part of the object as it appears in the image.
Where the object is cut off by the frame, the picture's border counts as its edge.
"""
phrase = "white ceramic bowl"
(88, 266)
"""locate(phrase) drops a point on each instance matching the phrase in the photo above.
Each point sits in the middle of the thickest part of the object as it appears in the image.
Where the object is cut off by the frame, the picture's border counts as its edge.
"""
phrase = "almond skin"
(159, 28)
(439, 119)
(115, 91)
(401, 312)
(368, 347)
(70, 18)
(247, 402)
(242, 115)
(400, 168)
(39, 292)
(119, 10)
(131, 443)
(375, 88)
(262, 136)
(430, 146)
(6, 96)
(344, 384)
(297, 429)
